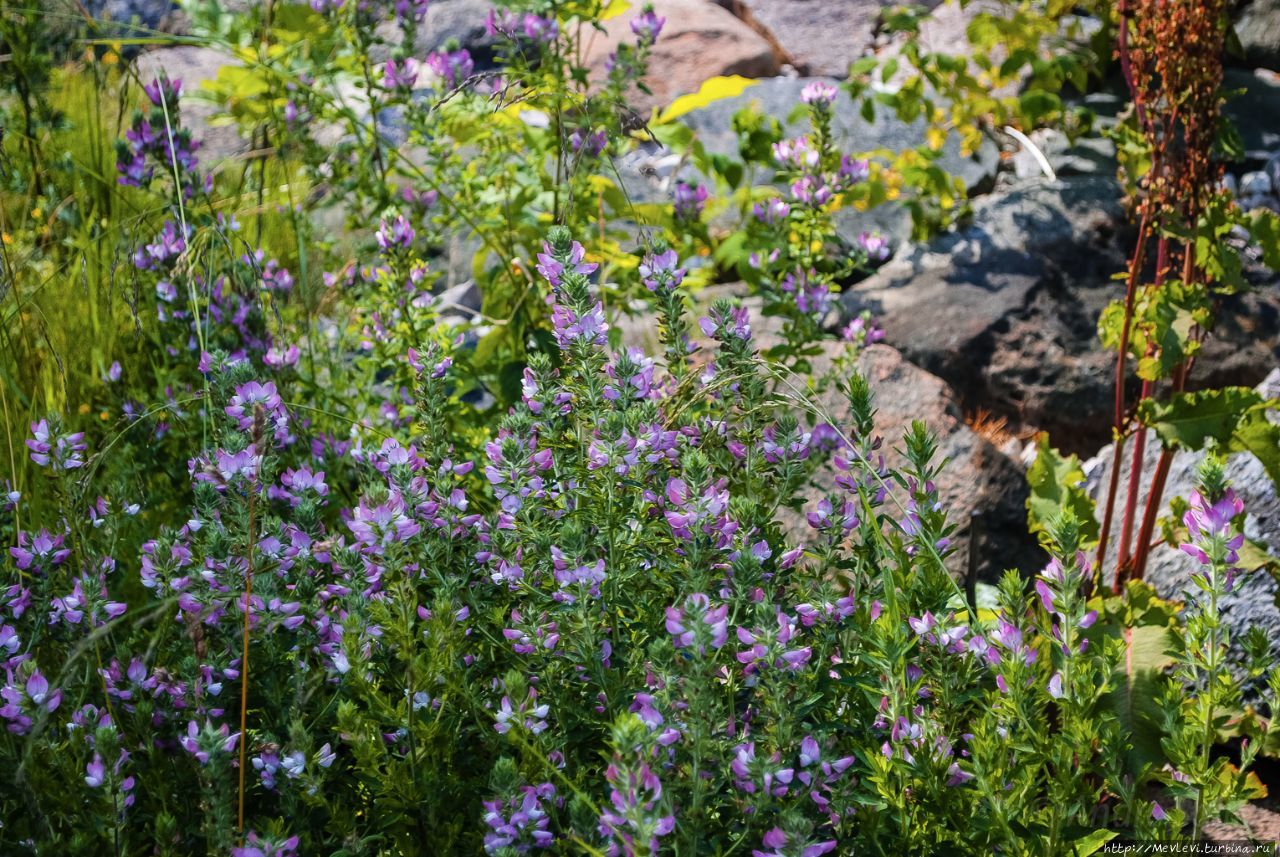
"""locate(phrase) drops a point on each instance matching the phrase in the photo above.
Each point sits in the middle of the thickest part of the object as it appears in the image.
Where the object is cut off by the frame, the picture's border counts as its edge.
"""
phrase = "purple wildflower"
(771, 211)
(400, 74)
(519, 822)
(398, 234)
(875, 245)
(647, 26)
(53, 450)
(819, 93)
(688, 201)
(661, 271)
(451, 67)
(698, 625)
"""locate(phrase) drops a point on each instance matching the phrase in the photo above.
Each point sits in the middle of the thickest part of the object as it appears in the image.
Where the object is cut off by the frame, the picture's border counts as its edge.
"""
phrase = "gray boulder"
(1254, 110)
(1255, 183)
(817, 38)
(1272, 169)
(1258, 26)
(462, 21)
(1006, 309)
(1087, 157)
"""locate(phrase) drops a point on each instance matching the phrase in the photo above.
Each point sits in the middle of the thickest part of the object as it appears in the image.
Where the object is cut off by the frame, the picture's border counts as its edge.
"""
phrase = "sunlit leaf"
(711, 91)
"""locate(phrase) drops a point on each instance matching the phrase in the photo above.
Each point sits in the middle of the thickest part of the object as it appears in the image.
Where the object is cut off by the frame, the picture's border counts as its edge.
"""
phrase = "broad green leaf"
(1091, 842)
(1057, 483)
(1037, 106)
(1110, 325)
(674, 136)
(1235, 417)
(711, 91)
(1133, 700)
(1258, 435)
(1188, 420)
(1264, 226)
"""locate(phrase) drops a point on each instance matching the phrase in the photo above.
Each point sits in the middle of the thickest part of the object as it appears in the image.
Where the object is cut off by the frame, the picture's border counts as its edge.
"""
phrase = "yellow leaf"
(713, 90)
(614, 9)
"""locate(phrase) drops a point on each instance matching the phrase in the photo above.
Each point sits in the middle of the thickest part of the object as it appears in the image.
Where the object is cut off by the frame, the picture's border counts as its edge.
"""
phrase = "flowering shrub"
(350, 575)
(590, 633)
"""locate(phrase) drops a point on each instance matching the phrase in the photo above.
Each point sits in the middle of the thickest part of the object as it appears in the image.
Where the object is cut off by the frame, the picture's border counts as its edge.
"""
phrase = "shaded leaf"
(1057, 484)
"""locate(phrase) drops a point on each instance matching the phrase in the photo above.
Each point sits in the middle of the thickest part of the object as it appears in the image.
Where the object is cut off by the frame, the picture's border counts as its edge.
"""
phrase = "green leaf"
(711, 91)
(1264, 226)
(1057, 484)
(675, 135)
(1037, 106)
(863, 65)
(1110, 325)
(1258, 435)
(1188, 420)
(1139, 623)
(1236, 418)
(1091, 842)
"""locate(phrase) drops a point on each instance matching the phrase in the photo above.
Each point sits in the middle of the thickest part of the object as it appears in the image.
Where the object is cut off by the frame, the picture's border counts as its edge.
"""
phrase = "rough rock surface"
(1262, 823)
(1253, 111)
(1258, 26)
(1088, 157)
(460, 20)
(1254, 599)
(1006, 309)
(700, 40)
(818, 37)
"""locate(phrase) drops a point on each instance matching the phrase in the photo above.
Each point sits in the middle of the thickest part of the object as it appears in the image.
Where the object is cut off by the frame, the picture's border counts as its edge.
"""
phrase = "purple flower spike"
(647, 26)
(818, 93)
(689, 200)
